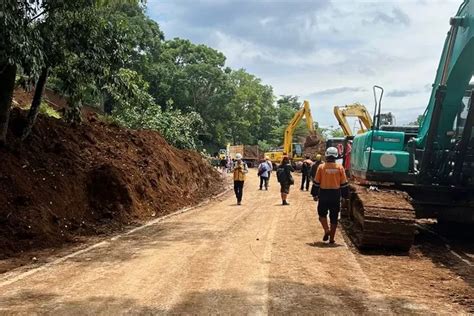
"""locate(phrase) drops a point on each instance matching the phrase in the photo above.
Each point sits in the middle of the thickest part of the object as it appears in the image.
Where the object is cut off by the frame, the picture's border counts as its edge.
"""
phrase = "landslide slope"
(93, 178)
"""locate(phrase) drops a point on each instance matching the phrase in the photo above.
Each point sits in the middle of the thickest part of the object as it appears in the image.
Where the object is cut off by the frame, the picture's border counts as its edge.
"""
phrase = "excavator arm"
(353, 110)
(305, 111)
(455, 70)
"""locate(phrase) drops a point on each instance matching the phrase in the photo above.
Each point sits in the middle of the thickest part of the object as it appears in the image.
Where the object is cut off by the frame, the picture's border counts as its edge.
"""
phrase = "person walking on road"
(269, 162)
(240, 170)
(312, 172)
(305, 173)
(229, 164)
(222, 164)
(263, 173)
(285, 178)
(330, 184)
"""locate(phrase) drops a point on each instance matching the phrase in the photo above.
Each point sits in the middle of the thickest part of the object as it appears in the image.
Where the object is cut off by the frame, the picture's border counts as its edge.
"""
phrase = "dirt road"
(257, 258)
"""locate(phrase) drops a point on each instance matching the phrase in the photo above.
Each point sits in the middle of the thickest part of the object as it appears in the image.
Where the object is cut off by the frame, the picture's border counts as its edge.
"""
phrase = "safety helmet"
(332, 152)
(318, 157)
(267, 158)
(238, 156)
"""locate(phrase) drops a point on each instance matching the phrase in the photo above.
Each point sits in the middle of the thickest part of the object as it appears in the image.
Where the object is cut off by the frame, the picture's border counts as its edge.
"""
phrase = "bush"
(48, 110)
(136, 109)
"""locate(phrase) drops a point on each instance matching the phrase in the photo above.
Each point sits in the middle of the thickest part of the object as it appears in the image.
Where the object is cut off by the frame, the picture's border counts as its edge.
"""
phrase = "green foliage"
(418, 122)
(286, 108)
(48, 110)
(336, 132)
(110, 53)
(19, 40)
(251, 111)
(136, 109)
(330, 132)
(264, 145)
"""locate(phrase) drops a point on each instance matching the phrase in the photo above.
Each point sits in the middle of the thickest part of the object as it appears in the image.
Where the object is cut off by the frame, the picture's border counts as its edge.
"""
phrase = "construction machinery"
(399, 177)
(224, 152)
(363, 116)
(293, 150)
(251, 154)
(353, 110)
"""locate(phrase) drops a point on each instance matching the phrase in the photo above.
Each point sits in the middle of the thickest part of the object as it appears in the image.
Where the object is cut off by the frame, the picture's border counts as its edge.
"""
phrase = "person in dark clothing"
(285, 178)
(331, 184)
(312, 171)
(305, 179)
(314, 166)
(222, 164)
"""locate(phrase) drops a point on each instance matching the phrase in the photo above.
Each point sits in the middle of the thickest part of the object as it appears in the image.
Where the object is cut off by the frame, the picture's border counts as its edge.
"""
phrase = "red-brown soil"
(314, 144)
(94, 178)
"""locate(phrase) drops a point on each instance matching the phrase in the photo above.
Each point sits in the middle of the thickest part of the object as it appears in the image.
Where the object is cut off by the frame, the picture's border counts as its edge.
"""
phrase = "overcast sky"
(329, 52)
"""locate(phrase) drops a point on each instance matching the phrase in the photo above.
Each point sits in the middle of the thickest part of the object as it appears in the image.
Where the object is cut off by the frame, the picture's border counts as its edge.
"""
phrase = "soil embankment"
(90, 179)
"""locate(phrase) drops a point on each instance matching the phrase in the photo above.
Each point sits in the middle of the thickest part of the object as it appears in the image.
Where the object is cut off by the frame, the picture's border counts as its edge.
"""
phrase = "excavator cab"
(297, 150)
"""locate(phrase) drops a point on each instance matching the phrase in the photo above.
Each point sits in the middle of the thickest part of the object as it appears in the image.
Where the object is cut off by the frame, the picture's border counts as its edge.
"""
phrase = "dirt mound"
(94, 178)
(313, 145)
(108, 193)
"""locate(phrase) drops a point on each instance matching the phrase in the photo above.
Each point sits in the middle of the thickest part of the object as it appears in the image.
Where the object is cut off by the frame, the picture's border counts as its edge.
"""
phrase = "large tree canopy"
(111, 55)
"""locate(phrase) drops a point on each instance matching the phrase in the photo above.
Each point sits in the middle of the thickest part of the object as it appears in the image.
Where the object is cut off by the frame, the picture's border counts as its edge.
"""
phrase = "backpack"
(261, 169)
(284, 176)
(281, 174)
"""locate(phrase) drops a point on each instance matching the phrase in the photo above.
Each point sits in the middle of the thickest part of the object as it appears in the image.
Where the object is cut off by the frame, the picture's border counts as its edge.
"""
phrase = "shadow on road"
(321, 244)
(285, 297)
(153, 237)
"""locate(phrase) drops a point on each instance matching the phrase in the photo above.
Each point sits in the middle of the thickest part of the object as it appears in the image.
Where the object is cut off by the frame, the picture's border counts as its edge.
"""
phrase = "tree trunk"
(35, 103)
(7, 80)
(108, 103)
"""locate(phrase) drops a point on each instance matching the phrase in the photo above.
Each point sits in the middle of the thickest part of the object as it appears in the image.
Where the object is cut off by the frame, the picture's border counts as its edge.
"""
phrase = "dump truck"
(251, 154)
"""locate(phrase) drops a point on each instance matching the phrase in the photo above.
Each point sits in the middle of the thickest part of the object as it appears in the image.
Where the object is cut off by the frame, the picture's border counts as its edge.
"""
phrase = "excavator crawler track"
(380, 218)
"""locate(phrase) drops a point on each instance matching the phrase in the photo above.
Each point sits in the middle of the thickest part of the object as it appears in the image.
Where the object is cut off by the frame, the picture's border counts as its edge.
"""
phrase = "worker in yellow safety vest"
(240, 170)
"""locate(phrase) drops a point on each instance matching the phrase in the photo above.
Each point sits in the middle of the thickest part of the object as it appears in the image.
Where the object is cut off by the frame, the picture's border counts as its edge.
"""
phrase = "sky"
(327, 52)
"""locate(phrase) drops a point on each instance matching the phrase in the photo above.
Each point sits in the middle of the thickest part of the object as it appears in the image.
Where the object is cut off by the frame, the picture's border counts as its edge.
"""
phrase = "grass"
(46, 109)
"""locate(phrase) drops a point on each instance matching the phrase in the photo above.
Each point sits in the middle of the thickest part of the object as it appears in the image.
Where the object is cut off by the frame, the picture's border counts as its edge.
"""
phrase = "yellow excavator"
(365, 120)
(353, 110)
(290, 149)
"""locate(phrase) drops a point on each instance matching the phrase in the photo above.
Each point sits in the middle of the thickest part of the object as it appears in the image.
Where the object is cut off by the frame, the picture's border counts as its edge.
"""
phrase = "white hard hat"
(332, 152)
(238, 156)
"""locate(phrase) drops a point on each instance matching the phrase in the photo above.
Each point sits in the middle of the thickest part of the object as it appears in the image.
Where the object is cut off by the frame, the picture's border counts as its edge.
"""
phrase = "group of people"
(225, 164)
(328, 178)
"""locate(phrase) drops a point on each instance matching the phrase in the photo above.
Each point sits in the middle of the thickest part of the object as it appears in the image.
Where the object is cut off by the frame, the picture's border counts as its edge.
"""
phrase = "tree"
(251, 110)
(195, 78)
(136, 109)
(36, 35)
(418, 122)
(286, 108)
(19, 48)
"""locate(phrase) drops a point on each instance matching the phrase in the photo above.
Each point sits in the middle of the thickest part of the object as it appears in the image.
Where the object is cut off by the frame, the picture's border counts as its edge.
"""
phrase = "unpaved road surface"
(257, 258)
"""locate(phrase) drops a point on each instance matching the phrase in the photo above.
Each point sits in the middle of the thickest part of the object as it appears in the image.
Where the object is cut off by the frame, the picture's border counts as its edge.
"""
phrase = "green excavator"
(400, 174)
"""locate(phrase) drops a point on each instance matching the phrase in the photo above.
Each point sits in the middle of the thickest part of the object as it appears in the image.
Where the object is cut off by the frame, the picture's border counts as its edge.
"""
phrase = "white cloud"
(305, 47)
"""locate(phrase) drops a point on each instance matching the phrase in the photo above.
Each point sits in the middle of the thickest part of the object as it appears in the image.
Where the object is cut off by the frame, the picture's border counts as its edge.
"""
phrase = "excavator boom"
(305, 111)
(288, 146)
(353, 110)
